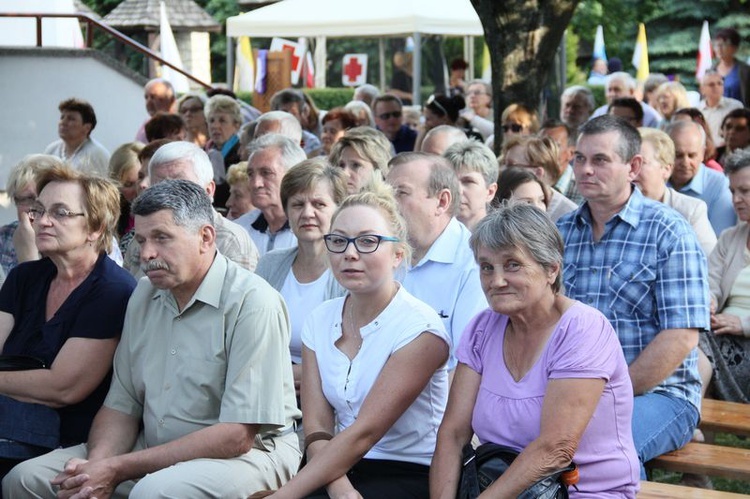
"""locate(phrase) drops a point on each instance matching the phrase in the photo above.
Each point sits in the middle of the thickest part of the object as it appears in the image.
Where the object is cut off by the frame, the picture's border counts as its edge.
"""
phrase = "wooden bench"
(706, 459)
(725, 417)
(656, 490)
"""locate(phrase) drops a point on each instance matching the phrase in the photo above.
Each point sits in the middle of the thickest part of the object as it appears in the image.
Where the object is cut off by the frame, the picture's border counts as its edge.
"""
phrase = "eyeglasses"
(387, 116)
(476, 92)
(60, 214)
(514, 127)
(369, 243)
(433, 101)
(193, 109)
(24, 201)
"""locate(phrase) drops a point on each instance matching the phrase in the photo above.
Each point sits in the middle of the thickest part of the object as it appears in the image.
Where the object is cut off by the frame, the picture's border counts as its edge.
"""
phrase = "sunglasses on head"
(392, 114)
(512, 127)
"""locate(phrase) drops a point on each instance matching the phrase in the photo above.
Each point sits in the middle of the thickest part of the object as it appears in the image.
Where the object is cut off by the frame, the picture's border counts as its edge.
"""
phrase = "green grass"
(726, 485)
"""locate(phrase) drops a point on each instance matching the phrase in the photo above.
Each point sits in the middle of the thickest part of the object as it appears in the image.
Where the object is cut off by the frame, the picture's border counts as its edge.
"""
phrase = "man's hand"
(82, 479)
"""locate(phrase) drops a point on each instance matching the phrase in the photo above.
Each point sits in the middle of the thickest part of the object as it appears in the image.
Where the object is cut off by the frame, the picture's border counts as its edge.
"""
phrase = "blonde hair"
(676, 90)
(523, 115)
(26, 171)
(304, 176)
(664, 151)
(123, 159)
(541, 151)
(379, 196)
(369, 144)
(237, 173)
(224, 104)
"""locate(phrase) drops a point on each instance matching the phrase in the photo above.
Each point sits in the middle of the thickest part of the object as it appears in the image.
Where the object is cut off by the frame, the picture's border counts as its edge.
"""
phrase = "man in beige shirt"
(202, 399)
(184, 160)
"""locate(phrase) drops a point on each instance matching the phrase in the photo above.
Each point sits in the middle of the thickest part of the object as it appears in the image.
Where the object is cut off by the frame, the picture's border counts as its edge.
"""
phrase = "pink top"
(583, 345)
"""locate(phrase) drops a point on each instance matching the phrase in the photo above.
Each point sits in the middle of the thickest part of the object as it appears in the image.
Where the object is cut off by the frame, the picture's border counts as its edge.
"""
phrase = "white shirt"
(715, 115)
(299, 297)
(90, 157)
(447, 279)
(346, 383)
(255, 224)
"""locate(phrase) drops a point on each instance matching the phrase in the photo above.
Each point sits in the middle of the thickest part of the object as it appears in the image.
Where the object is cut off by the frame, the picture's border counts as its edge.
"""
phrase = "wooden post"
(278, 77)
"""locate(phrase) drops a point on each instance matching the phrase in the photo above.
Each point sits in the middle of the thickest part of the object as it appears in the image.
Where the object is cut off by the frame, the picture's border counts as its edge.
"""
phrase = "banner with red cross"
(298, 53)
(354, 70)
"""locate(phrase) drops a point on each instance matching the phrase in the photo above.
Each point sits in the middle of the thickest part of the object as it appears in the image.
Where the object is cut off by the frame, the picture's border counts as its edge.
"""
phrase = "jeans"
(661, 423)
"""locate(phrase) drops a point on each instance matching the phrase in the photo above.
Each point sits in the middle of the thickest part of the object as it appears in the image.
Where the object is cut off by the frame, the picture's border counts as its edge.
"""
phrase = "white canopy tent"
(360, 18)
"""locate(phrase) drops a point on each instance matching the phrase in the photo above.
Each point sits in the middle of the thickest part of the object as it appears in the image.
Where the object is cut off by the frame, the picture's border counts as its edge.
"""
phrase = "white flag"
(704, 52)
(169, 53)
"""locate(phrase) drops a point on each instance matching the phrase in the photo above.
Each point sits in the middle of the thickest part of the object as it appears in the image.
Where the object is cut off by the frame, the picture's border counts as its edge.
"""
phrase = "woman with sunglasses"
(66, 311)
(375, 384)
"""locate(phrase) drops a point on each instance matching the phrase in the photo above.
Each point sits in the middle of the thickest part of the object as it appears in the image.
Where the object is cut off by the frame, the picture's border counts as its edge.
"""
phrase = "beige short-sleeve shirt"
(224, 358)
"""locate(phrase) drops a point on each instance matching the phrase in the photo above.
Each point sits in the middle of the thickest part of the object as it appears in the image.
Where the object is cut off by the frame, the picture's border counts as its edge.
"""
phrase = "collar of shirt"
(261, 224)
(564, 181)
(209, 291)
(446, 246)
(630, 213)
(697, 184)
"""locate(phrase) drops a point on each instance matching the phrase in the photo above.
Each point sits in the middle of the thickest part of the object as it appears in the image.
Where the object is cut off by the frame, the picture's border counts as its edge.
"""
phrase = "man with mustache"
(202, 401)
(187, 161)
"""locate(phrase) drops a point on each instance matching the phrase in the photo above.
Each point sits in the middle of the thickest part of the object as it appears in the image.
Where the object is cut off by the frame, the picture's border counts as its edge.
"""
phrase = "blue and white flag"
(599, 51)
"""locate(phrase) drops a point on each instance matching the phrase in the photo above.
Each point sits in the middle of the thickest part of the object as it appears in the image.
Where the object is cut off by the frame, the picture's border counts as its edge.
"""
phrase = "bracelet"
(314, 437)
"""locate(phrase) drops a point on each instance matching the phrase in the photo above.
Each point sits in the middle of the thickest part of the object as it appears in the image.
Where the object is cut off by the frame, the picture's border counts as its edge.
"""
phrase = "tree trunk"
(522, 37)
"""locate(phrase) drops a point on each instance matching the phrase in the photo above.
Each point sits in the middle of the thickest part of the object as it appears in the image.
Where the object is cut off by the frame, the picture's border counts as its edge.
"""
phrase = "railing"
(92, 23)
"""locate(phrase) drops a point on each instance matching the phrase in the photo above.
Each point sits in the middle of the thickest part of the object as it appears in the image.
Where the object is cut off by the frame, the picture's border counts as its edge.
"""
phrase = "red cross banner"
(354, 70)
(298, 54)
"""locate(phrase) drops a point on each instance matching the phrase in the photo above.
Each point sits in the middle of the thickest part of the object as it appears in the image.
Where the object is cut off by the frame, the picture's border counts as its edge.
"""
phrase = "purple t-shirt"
(507, 412)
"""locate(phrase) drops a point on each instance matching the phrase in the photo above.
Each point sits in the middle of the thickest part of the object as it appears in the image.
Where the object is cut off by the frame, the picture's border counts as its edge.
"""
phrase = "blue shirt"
(732, 83)
(713, 188)
(646, 274)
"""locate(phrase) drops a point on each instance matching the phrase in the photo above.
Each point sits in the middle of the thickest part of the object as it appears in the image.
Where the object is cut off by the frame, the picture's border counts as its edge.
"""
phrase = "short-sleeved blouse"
(347, 383)
(95, 310)
(508, 412)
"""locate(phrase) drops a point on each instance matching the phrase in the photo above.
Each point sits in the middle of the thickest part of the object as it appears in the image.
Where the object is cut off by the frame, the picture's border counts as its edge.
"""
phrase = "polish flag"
(704, 52)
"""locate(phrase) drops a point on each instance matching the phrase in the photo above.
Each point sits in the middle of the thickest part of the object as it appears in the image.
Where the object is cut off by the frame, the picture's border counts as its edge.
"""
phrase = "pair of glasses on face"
(368, 243)
(193, 109)
(512, 127)
(387, 116)
(58, 213)
(432, 101)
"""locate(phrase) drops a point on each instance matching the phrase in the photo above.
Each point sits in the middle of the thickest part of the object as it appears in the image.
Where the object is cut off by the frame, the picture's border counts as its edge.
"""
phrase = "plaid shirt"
(8, 258)
(647, 274)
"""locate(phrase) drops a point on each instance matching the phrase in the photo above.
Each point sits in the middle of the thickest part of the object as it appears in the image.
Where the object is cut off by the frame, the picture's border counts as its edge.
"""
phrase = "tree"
(523, 37)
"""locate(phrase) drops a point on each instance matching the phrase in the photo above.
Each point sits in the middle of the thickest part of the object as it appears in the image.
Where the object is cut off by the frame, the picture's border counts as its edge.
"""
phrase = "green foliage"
(328, 98)
(574, 75)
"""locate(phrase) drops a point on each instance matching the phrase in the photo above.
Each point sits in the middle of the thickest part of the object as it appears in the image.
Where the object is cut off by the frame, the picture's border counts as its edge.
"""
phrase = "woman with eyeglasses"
(190, 107)
(63, 314)
(374, 382)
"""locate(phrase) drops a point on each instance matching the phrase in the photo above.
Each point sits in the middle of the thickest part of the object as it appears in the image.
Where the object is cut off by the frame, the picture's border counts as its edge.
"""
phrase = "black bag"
(20, 363)
(483, 466)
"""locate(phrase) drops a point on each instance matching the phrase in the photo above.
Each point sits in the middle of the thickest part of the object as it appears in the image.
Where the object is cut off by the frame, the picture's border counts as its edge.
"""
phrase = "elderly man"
(440, 138)
(477, 170)
(202, 399)
(714, 105)
(691, 177)
(366, 93)
(564, 137)
(389, 118)
(77, 121)
(187, 161)
(293, 102)
(160, 98)
(576, 105)
(620, 85)
(269, 158)
(279, 122)
(639, 262)
(442, 271)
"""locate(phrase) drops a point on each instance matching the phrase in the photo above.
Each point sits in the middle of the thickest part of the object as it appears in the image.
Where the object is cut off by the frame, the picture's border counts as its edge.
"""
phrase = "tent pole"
(417, 70)
(230, 63)
(381, 61)
(320, 62)
(469, 55)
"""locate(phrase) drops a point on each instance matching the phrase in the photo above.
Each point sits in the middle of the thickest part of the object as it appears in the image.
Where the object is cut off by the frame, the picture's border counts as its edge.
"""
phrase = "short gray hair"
(189, 203)
(288, 125)
(524, 227)
(682, 125)
(223, 104)
(368, 91)
(291, 152)
(624, 77)
(737, 160)
(442, 176)
(184, 151)
(27, 170)
(455, 134)
(473, 156)
(358, 107)
(577, 90)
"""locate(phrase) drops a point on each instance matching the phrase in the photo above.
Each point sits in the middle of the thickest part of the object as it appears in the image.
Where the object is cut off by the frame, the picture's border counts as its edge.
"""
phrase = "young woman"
(373, 367)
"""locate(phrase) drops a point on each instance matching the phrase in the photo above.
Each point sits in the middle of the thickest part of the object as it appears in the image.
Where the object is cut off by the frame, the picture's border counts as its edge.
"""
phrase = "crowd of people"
(233, 292)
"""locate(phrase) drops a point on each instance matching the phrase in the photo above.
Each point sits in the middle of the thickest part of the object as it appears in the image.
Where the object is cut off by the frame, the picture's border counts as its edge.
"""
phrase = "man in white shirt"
(714, 105)
(442, 271)
(621, 84)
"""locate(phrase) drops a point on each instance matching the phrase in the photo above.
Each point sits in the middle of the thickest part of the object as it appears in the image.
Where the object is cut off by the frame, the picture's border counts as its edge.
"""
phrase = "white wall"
(35, 81)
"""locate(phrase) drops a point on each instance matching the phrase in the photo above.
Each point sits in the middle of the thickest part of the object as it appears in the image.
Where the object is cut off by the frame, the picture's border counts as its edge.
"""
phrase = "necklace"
(353, 326)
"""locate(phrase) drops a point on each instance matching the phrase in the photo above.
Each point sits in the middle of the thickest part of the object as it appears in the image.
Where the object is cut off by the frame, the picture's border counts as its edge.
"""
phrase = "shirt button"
(179, 317)
(161, 422)
(593, 271)
(173, 351)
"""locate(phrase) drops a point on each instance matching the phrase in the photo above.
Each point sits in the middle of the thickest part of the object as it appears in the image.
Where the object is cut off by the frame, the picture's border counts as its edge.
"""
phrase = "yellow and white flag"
(640, 54)
(486, 64)
(244, 74)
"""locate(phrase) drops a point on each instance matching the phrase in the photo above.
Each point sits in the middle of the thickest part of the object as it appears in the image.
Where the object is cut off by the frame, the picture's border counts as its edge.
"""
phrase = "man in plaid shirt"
(639, 263)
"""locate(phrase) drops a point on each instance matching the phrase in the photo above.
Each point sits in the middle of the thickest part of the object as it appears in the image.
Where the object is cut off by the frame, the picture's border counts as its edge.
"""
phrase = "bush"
(328, 98)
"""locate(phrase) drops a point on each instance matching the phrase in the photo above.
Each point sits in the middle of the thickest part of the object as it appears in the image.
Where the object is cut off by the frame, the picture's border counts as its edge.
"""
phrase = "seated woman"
(537, 372)
(238, 202)
(335, 123)
(362, 153)
(66, 310)
(727, 346)
(123, 169)
(190, 106)
(476, 167)
(224, 120)
(373, 365)
(310, 193)
(518, 184)
(670, 97)
(478, 114)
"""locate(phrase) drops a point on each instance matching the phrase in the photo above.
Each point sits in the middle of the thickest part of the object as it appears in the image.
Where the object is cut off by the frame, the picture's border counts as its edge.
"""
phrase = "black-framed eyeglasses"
(432, 101)
(392, 114)
(57, 213)
(512, 127)
(367, 243)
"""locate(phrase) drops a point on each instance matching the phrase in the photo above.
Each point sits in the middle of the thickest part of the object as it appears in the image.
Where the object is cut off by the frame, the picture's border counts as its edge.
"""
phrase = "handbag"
(481, 467)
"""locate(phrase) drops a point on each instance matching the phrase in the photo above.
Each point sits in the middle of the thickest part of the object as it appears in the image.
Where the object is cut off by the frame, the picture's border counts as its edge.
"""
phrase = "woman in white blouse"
(374, 382)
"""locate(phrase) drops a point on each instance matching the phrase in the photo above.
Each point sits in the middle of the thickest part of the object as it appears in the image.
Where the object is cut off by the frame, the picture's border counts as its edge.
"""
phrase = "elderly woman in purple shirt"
(538, 372)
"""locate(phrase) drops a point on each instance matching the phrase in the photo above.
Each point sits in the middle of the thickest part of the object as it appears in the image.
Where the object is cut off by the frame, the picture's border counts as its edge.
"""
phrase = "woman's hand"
(24, 239)
(342, 488)
(726, 324)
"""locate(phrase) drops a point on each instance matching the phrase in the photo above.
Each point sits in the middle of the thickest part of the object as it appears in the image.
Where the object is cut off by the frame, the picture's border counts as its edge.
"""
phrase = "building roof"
(184, 15)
